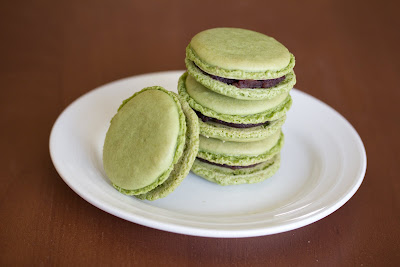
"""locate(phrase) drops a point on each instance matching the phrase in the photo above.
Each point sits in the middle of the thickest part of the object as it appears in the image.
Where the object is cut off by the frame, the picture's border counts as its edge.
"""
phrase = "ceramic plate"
(323, 165)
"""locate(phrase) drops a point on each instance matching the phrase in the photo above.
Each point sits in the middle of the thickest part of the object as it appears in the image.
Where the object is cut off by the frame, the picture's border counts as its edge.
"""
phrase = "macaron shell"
(238, 50)
(226, 176)
(183, 166)
(145, 139)
(228, 105)
(241, 160)
(241, 93)
(216, 146)
(269, 115)
(226, 133)
(239, 74)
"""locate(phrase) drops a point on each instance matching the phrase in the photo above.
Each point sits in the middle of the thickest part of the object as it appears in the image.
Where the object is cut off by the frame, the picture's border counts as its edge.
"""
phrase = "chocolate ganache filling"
(252, 84)
(227, 166)
(234, 125)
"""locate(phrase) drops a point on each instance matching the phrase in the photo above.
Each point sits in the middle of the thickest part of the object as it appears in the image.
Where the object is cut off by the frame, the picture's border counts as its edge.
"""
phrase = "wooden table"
(52, 52)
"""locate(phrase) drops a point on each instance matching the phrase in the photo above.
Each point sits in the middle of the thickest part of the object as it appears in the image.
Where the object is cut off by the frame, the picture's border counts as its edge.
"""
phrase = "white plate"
(323, 165)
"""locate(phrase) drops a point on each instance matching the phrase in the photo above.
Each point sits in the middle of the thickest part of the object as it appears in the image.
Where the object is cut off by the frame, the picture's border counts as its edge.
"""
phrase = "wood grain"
(51, 52)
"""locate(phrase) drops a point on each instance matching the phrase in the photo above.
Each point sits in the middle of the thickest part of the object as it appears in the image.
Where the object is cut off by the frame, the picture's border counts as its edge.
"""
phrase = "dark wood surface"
(51, 52)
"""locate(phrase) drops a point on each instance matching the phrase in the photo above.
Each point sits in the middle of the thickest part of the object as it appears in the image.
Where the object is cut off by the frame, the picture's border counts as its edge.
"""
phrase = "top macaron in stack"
(238, 83)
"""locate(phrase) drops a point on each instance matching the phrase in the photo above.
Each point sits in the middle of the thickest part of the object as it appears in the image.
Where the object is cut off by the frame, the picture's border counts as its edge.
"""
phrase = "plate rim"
(207, 232)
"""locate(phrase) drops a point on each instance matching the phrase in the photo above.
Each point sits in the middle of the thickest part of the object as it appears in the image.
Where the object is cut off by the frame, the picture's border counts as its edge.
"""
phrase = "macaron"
(226, 176)
(240, 63)
(229, 163)
(151, 144)
(232, 119)
(241, 154)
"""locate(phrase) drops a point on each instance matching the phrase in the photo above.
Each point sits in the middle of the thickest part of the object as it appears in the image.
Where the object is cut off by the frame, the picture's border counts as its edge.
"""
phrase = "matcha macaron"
(151, 144)
(237, 162)
(240, 63)
(228, 176)
(232, 119)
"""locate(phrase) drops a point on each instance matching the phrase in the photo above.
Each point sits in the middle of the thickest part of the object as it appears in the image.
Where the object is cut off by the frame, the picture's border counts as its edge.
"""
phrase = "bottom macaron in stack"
(238, 83)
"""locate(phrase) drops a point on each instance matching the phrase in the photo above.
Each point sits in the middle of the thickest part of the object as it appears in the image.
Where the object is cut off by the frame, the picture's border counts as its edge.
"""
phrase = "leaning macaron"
(151, 144)
(232, 119)
(240, 63)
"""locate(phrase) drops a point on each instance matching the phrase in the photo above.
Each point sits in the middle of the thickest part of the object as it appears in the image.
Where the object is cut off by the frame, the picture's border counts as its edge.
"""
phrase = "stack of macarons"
(225, 124)
(238, 83)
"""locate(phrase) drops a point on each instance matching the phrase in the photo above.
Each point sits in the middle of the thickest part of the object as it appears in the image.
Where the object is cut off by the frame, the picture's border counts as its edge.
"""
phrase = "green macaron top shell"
(228, 105)
(216, 146)
(240, 160)
(241, 93)
(145, 139)
(239, 54)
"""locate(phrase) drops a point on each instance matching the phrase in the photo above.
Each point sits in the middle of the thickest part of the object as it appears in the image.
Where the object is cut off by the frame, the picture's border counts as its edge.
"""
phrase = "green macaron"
(230, 163)
(229, 109)
(151, 143)
(240, 54)
(257, 119)
(232, 153)
(226, 176)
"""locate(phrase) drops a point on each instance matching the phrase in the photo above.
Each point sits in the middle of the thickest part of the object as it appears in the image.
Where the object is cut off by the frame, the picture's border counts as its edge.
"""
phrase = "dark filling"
(228, 166)
(252, 84)
(234, 125)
